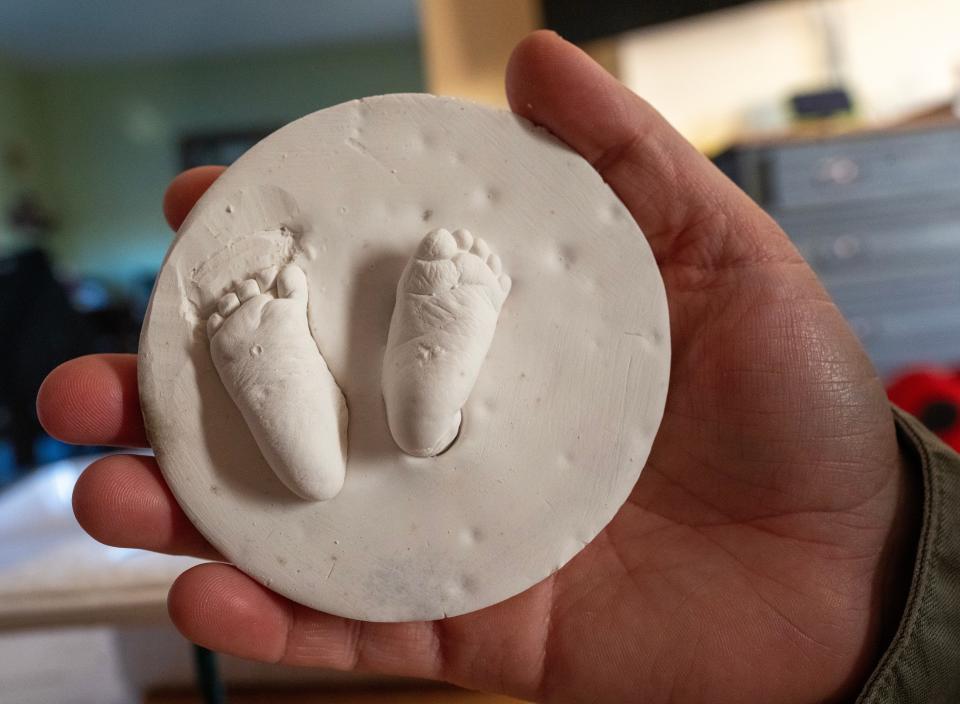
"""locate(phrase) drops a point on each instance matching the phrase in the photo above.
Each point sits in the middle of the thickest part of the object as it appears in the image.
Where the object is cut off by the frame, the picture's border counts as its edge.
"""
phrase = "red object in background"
(933, 396)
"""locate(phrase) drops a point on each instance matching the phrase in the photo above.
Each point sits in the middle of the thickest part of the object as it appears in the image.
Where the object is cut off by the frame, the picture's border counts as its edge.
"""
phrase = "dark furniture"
(877, 215)
(40, 329)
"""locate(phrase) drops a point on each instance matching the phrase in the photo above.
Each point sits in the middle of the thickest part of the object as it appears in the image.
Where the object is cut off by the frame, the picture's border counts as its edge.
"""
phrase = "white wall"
(719, 75)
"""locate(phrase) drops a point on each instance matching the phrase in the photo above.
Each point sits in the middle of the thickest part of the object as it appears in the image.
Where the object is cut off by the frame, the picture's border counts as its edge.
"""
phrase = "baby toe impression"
(481, 248)
(292, 282)
(213, 324)
(247, 290)
(228, 303)
(438, 244)
(464, 238)
(267, 278)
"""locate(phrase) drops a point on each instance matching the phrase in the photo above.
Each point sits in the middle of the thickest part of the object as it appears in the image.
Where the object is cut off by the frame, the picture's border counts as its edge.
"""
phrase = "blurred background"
(840, 117)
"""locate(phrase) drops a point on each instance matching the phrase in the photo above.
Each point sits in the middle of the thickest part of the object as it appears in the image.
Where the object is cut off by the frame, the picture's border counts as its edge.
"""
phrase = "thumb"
(689, 211)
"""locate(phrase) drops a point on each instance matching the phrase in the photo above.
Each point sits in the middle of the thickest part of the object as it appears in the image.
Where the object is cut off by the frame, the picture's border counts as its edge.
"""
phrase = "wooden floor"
(319, 695)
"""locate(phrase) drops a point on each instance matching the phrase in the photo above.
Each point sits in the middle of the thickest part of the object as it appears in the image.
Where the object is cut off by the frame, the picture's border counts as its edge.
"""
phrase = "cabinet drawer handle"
(838, 170)
(846, 247)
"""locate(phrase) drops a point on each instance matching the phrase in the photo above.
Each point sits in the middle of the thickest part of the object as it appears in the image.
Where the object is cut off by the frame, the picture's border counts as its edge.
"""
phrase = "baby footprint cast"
(269, 363)
(448, 301)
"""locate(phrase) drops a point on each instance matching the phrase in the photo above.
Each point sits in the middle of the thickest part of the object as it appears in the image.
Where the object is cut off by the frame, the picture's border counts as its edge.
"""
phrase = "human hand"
(753, 558)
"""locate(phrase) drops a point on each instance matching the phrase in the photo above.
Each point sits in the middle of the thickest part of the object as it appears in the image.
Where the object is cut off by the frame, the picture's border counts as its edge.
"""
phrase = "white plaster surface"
(565, 407)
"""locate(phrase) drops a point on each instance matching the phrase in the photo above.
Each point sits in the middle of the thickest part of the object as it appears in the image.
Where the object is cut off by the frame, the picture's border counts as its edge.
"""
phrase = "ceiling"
(69, 32)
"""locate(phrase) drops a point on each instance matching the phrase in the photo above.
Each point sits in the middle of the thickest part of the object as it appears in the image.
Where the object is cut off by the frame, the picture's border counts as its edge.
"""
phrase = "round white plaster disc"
(558, 425)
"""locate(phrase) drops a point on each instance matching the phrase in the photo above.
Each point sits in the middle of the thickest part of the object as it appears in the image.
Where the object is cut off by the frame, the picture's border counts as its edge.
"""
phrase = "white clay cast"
(353, 402)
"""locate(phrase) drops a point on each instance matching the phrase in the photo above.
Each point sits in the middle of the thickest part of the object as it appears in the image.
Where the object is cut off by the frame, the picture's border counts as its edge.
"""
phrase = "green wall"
(13, 135)
(108, 136)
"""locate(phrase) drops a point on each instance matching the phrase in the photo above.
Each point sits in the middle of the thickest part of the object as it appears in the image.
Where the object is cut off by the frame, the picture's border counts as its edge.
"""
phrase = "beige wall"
(719, 75)
(466, 44)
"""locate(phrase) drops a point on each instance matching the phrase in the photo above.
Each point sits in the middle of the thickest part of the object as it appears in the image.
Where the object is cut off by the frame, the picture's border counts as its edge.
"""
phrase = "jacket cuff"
(922, 662)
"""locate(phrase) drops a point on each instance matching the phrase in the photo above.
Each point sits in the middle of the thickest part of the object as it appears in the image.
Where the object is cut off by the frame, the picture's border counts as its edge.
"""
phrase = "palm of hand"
(750, 560)
(748, 550)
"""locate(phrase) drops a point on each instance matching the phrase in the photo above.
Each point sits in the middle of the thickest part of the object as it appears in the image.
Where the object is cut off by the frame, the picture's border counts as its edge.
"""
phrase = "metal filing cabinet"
(878, 217)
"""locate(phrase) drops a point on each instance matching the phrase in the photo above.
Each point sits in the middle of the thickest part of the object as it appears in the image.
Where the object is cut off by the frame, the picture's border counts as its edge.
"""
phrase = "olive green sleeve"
(922, 663)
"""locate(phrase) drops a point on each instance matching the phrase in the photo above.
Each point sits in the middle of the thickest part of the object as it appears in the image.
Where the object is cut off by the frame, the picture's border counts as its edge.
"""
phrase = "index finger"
(184, 192)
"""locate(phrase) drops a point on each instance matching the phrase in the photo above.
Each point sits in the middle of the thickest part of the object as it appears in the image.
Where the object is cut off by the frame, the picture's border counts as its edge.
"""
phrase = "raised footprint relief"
(271, 366)
(448, 301)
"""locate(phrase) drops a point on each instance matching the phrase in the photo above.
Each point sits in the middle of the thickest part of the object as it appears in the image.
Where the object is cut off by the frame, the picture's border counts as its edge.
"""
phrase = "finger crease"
(439, 649)
(354, 643)
(616, 153)
(290, 628)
